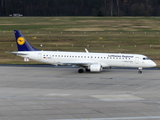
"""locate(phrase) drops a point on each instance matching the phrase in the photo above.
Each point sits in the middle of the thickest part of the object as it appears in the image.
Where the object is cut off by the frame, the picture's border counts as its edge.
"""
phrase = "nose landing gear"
(140, 70)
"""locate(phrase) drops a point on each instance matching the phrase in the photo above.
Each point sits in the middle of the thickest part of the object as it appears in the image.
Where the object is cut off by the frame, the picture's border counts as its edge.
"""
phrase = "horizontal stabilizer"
(18, 53)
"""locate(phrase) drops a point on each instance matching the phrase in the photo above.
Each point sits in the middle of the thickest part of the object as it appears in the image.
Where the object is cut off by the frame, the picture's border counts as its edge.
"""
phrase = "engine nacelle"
(95, 68)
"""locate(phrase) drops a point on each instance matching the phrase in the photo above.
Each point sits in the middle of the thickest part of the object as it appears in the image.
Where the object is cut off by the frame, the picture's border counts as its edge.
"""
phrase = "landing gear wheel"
(140, 72)
(80, 70)
(87, 70)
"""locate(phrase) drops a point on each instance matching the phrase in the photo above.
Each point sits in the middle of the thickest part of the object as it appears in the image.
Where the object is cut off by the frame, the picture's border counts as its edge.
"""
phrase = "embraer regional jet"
(93, 62)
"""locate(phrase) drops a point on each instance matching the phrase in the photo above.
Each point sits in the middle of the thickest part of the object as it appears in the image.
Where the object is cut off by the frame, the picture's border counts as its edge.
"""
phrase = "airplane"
(86, 61)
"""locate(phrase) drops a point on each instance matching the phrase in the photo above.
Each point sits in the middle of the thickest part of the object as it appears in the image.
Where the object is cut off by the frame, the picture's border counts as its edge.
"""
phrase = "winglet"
(86, 50)
(22, 43)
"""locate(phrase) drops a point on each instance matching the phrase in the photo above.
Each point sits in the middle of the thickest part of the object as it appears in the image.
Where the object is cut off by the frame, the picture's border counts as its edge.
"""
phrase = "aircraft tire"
(87, 70)
(80, 70)
(140, 72)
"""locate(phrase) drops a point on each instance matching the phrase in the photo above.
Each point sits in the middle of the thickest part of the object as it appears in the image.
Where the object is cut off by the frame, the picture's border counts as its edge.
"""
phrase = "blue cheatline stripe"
(116, 118)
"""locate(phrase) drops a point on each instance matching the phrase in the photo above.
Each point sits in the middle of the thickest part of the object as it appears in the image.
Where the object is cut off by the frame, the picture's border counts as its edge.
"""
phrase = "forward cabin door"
(137, 60)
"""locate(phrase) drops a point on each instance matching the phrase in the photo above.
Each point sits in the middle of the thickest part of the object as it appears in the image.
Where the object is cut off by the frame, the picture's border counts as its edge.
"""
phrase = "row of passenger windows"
(69, 56)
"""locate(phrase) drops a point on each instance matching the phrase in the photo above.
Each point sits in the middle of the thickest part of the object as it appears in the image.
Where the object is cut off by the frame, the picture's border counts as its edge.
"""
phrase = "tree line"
(80, 7)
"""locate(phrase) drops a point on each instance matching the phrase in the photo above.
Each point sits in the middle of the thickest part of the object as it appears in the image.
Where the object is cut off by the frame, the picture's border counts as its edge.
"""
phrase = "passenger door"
(137, 60)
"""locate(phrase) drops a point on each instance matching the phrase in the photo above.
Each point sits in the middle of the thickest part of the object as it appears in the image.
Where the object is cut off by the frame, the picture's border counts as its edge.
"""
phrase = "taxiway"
(51, 93)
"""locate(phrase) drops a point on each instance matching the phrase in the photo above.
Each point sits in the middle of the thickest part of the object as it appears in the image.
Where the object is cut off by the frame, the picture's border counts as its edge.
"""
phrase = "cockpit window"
(146, 59)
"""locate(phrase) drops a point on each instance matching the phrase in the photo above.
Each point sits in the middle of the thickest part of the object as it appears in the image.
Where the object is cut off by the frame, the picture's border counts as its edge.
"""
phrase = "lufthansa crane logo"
(20, 40)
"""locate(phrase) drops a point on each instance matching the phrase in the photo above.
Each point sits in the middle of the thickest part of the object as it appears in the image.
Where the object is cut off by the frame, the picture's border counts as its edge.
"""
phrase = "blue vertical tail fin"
(22, 43)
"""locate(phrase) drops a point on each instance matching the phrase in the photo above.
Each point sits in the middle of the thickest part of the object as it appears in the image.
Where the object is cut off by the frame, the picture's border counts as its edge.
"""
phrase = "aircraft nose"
(153, 64)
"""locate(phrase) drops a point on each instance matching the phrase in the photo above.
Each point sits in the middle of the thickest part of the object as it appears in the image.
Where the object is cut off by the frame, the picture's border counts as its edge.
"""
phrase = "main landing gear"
(81, 70)
(140, 70)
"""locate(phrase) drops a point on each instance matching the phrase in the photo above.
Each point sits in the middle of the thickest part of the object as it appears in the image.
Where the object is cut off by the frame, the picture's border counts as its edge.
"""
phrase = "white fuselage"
(93, 62)
(85, 59)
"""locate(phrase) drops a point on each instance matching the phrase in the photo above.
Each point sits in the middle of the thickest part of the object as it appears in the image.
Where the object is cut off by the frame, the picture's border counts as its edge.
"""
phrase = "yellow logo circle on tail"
(20, 40)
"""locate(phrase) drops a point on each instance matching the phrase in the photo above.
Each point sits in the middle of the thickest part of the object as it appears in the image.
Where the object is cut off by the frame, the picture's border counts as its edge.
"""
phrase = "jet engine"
(95, 68)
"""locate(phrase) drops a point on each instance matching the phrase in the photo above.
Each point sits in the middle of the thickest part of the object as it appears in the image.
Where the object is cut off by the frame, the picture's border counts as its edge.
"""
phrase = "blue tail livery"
(22, 43)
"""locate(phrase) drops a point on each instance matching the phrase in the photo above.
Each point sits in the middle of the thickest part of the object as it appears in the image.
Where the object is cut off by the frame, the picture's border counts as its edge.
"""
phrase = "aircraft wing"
(78, 63)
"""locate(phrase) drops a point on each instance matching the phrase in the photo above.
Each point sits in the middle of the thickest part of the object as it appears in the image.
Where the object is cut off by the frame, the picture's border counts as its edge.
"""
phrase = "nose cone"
(153, 64)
